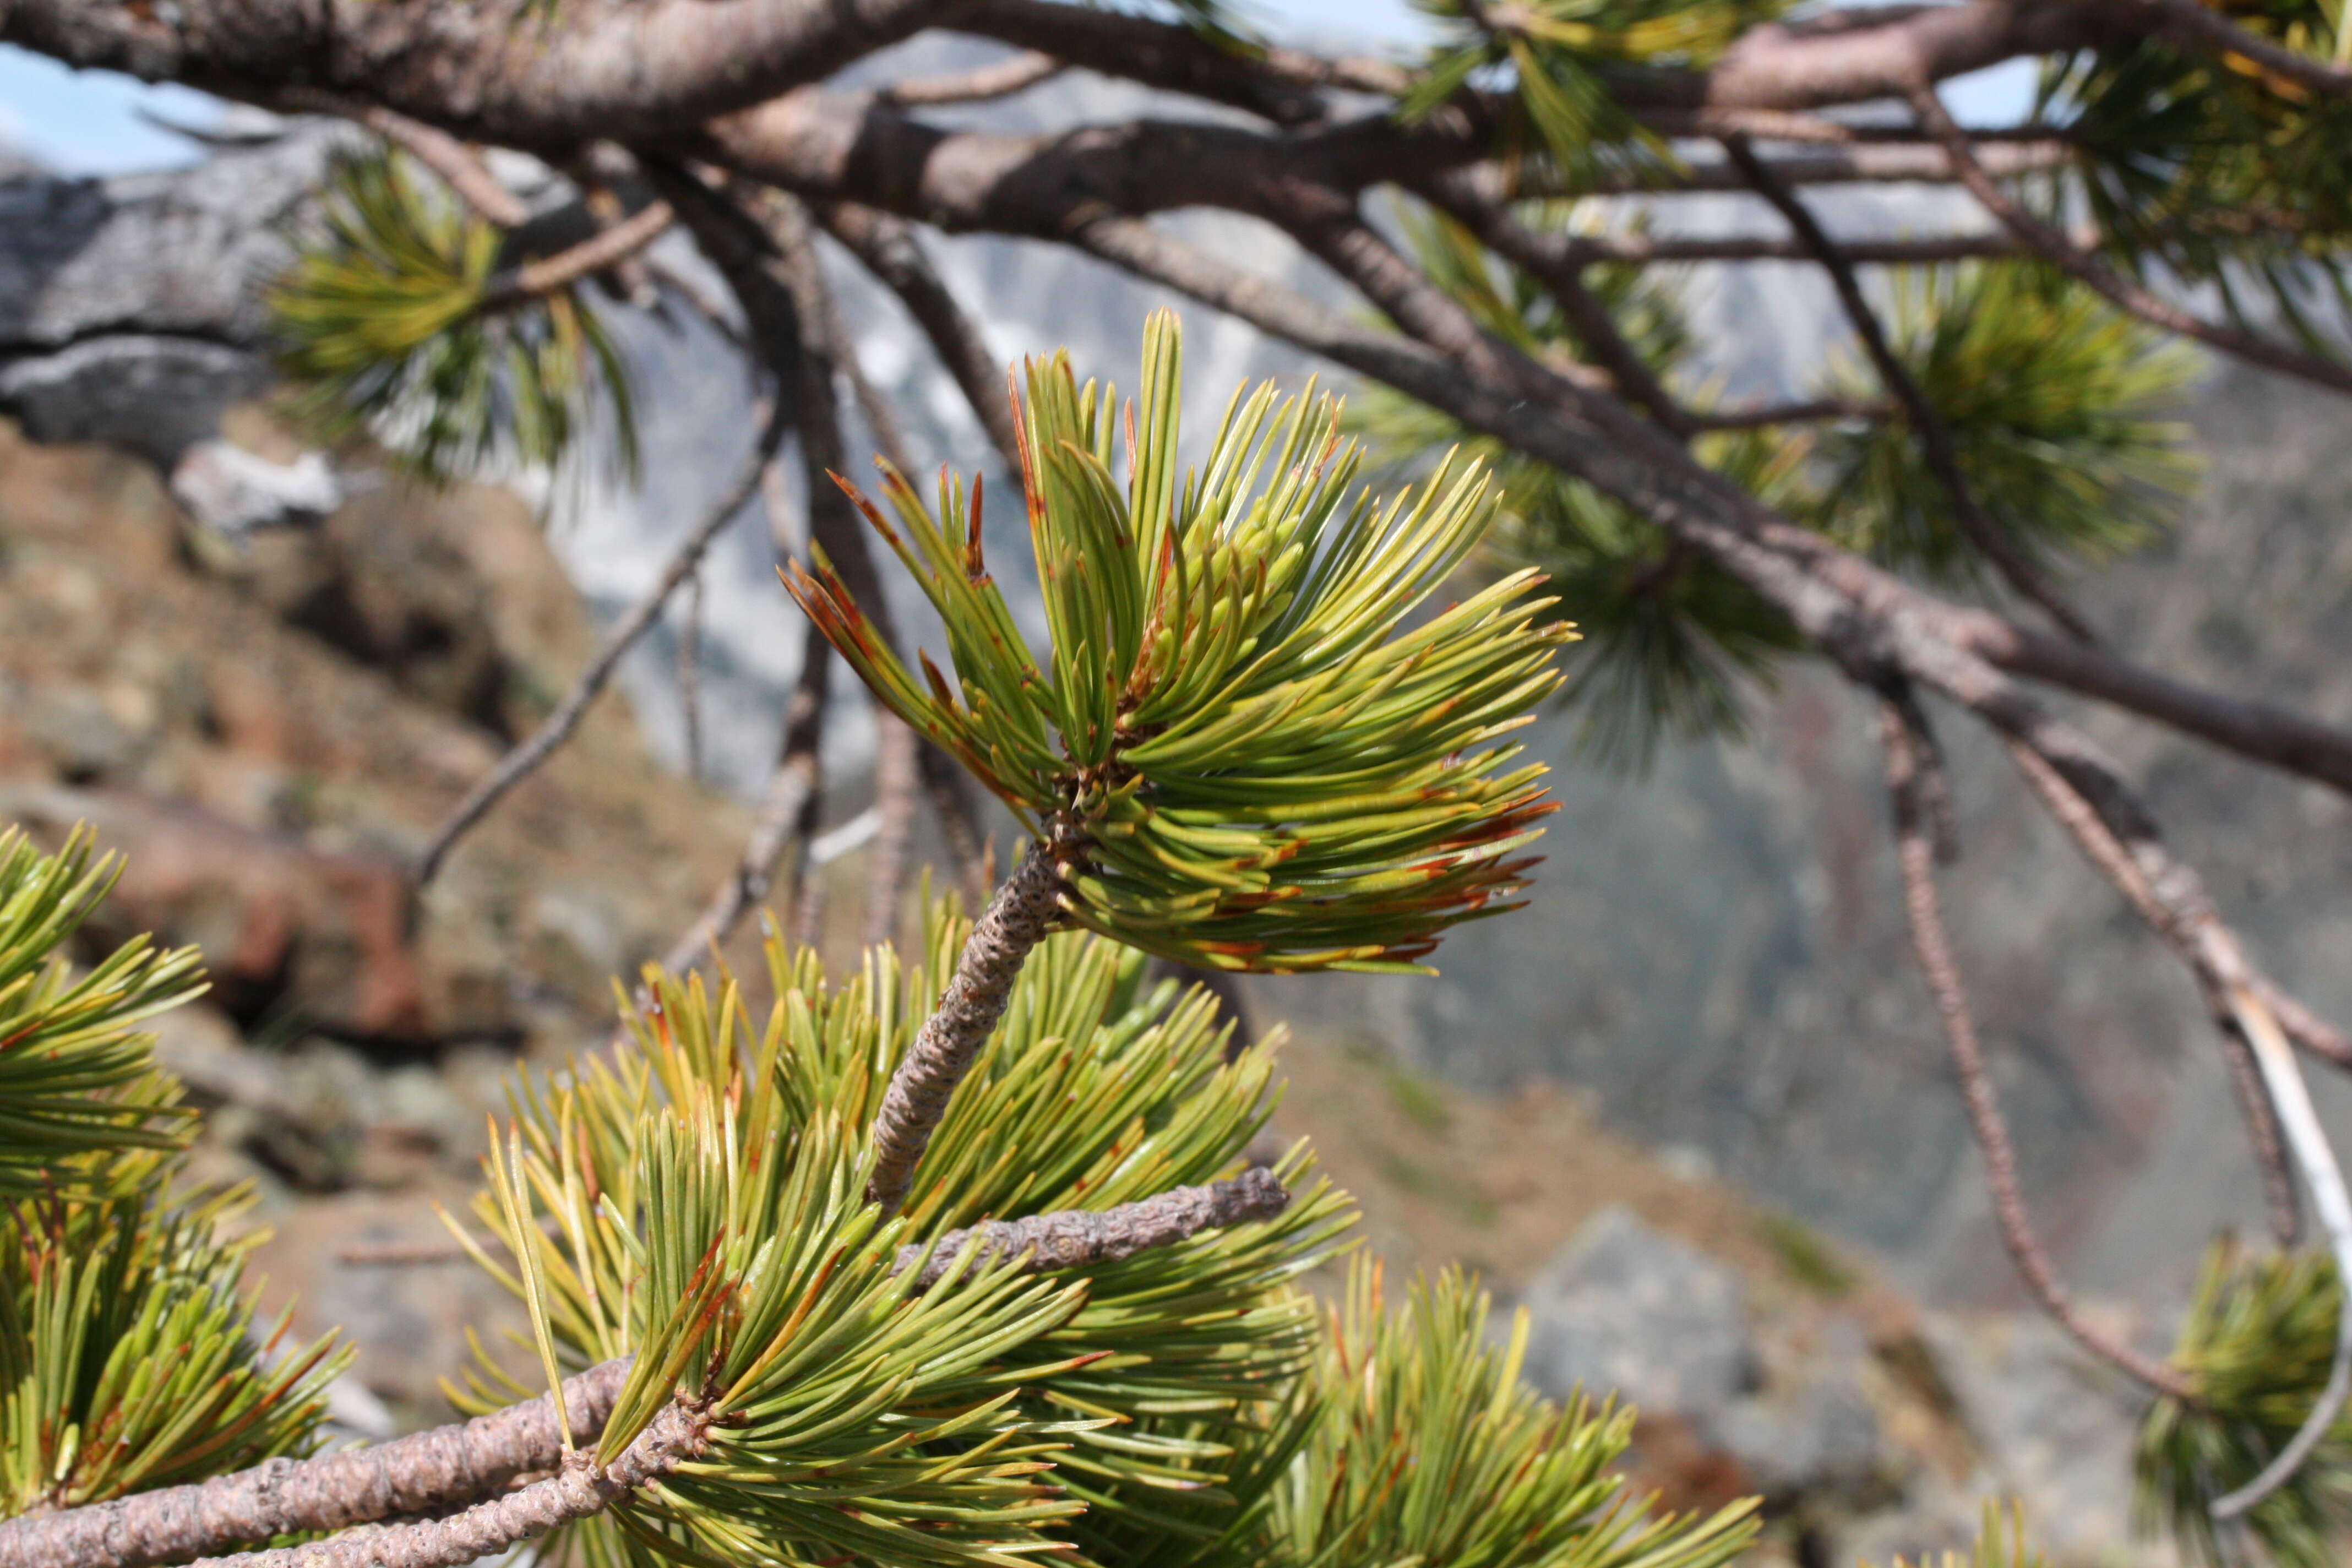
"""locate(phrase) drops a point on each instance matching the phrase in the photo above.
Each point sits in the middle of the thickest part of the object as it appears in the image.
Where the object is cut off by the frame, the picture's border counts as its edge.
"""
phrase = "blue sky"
(88, 122)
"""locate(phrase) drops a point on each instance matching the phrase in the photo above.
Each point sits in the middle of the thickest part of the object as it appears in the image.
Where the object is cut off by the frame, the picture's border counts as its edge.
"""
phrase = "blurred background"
(1689, 1107)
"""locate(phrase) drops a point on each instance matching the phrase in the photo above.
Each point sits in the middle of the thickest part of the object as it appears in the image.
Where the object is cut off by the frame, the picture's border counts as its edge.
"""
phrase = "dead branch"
(600, 252)
(2207, 29)
(456, 166)
(2087, 268)
(690, 674)
(1907, 755)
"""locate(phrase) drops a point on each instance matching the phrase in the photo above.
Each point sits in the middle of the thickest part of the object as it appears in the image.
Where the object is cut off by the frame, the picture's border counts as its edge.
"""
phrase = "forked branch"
(1908, 751)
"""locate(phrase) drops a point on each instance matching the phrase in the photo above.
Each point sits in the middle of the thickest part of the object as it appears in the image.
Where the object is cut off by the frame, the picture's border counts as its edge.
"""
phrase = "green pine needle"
(2001, 1544)
(1273, 765)
(1559, 55)
(1429, 1449)
(2061, 410)
(128, 1357)
(2256, 1349)
(706, 1186)
(78, 1083)
(382, 319)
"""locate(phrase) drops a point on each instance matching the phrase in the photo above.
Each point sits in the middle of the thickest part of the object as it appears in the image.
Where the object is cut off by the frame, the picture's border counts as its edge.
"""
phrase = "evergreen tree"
(1238, 754)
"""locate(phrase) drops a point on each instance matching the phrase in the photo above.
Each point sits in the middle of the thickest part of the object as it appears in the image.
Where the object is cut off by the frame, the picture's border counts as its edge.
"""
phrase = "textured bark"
(455, 1466)
(579, 1487)
(430, 1472)
(1020, 914)
(1079, 1238)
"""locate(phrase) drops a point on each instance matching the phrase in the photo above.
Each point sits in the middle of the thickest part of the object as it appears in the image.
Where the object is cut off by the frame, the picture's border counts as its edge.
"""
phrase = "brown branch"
(999, 78)
(1079, 1238)
(605, 249)
(1934, 437)
(454, 1466)
(950, 792)
(557, 727)
(689, 674)
(1906, 751)
(1017, 917)
(456, 166)
(888, 248)
(1647, 249)
(2087, 268)
(679, 1434)
(2279, 1194)
(1814, 411)
(897, 782)
(2208, 29)
(428, 1473)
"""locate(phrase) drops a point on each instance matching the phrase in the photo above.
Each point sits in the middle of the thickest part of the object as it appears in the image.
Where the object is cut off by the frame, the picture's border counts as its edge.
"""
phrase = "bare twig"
(454, 163)
(2086, 266)
(1934, 437)
(454, 1466)
(958, 813)
(2210, 29)
(2308, 1142)
(557, 727)
(690, 674)
(888, 248)
(605, 249)
(1814, 411)
(999, 78)
(1017, 917)
(1907, 755)
(678, 1433)
(2279, 1194)
(1076, 1238)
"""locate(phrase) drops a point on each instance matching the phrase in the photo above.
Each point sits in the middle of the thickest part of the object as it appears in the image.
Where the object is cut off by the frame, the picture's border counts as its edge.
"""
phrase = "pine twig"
(2086, 266)
(1074, 1238)
(1907, 757)
(460, 1464)
(2210, 29)
(1017, 917)
(1934, 437)
(605, 249)
(428, 1472)
(524, 760)
(679, 1434)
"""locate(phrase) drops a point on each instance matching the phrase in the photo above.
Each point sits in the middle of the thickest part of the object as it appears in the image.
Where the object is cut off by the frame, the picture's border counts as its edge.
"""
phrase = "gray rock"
(1627, 1309)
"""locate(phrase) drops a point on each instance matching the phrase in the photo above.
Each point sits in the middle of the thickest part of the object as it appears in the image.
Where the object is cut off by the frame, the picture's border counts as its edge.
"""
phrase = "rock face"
(1871, 1430)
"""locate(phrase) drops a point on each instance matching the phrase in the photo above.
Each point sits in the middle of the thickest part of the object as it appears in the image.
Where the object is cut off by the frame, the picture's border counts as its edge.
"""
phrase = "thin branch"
(557, 727)
(1078, 1238)
(898, 783)
(679, 1434)
(690, 674)
(1814, 411)
(605, 249)
(949, 788)
(2087, 268)
(2279, 1194)
(455, 164)
(454, 1466)
(2210, 30)
(1907, 752)
(999, 78)
(429, 1472)
(1934, 437)
(888, 248)
(2333, 1209)
(1017, 917)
